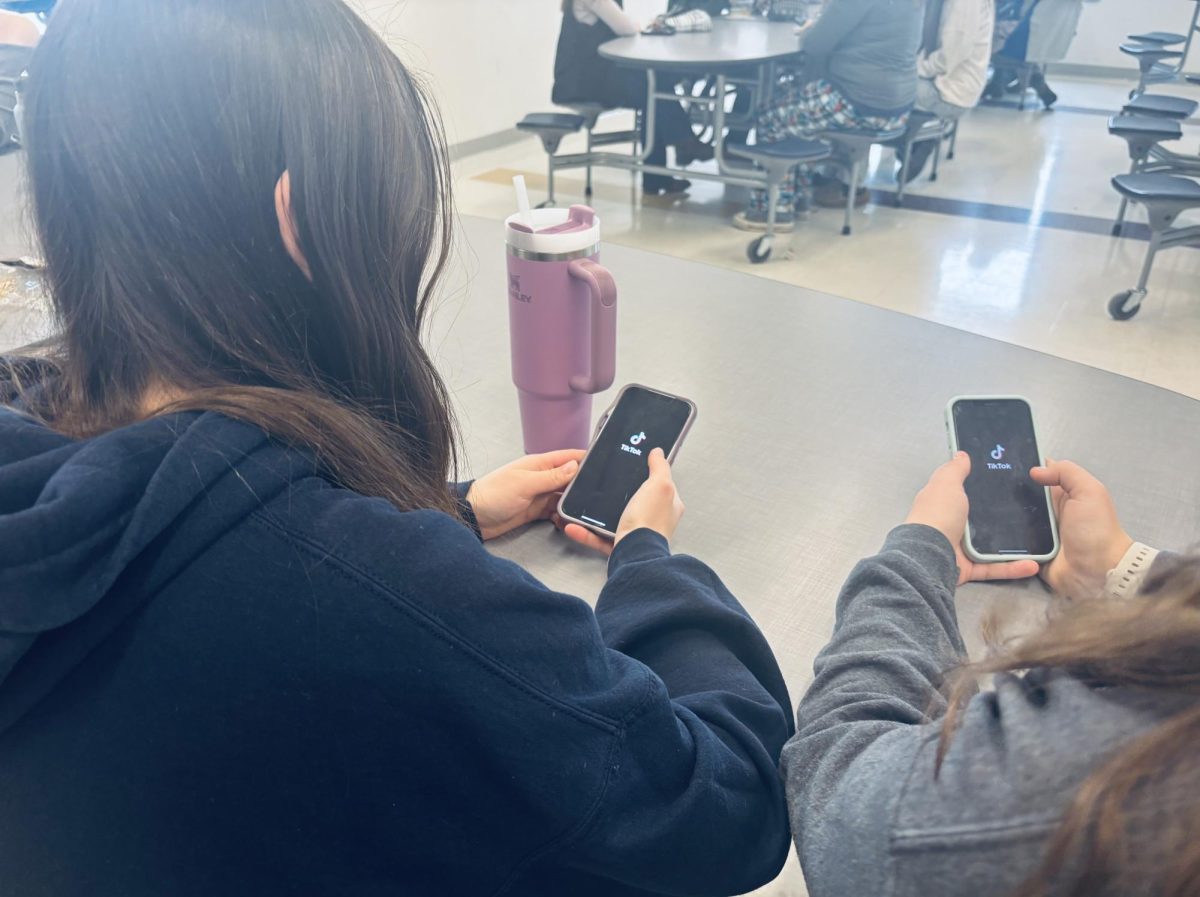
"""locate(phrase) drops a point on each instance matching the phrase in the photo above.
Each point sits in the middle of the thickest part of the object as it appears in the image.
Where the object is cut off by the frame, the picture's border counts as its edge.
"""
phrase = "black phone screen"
(617, 465)
(1010, 513)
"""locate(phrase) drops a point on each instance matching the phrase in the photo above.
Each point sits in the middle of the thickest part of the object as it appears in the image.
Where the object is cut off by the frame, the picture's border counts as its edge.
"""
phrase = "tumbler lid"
(555, 231)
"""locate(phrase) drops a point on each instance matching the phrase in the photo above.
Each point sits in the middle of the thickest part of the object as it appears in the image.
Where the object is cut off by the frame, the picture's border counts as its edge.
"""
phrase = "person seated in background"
(952, 77)
(251, 641)
(582, 75)
(1077, 777)
(860, 71)
(1032, 32)
(18, 36)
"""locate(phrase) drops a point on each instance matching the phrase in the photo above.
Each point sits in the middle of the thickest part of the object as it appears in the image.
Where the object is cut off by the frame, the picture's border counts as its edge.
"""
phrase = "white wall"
(489, 62)
(1106, 23)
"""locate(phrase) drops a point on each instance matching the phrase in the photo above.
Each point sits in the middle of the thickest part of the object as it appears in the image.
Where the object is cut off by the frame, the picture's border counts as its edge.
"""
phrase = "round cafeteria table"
(736, 51)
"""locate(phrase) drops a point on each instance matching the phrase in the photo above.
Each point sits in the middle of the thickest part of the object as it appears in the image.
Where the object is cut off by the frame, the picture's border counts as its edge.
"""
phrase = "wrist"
(1116, 551)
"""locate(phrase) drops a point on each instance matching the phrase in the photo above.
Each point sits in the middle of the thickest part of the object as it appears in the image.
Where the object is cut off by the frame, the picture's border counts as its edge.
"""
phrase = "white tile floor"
(1039, 287)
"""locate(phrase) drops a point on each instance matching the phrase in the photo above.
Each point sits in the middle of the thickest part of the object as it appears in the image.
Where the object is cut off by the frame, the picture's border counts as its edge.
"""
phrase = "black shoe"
(1045, 94)
(656, 184)
(921, 154)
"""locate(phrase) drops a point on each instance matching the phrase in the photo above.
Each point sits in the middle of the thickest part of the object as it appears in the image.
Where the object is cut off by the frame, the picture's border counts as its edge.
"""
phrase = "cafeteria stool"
(1144, 137)
(1165, 198)
(1151, 60)
(777, 160)
(551, 128)
(591, 113)
(1162, 106)
(851, 148)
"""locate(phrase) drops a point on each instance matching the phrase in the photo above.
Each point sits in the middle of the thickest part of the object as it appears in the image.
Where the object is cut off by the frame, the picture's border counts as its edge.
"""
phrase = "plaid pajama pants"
(804, 110)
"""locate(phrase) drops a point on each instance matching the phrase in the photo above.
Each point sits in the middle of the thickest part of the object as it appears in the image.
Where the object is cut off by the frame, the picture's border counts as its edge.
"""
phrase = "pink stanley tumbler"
(562, 314)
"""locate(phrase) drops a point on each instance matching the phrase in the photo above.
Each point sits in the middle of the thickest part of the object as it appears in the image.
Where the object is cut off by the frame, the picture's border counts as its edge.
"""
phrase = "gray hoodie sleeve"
(896, 633)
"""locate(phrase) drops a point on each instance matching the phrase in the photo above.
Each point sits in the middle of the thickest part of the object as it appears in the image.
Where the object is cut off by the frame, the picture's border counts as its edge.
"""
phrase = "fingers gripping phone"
(616, 465)
(1011, 517)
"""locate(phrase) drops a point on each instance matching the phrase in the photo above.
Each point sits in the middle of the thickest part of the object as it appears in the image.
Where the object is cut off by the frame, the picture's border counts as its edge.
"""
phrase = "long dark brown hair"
(157, 131)
(1133, 825)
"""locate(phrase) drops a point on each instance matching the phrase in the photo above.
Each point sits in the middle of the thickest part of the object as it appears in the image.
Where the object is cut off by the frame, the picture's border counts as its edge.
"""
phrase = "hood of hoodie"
(89, 529)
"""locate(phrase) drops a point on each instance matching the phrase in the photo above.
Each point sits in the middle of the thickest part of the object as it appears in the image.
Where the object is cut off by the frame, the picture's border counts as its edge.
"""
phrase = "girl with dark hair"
(582, 75)
(250, 640)
(1076, 774)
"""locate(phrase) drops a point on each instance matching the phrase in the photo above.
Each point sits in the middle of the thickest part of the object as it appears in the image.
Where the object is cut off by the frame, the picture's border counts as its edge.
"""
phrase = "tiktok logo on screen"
(634, 441)
(998, 456)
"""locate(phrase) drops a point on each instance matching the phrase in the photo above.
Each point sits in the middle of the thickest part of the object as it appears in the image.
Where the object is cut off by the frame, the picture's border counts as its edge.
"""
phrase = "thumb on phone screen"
(656, 505)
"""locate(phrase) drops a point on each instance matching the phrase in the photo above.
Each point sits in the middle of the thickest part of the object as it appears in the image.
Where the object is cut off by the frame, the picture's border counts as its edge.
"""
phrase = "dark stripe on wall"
(986, 211)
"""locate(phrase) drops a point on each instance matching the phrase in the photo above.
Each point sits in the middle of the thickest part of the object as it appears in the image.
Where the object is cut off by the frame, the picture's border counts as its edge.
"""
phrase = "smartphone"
(640, 420)
(1011, 516)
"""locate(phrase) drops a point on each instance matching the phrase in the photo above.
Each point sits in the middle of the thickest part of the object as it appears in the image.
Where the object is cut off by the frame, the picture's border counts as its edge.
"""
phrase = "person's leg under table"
(929, 100)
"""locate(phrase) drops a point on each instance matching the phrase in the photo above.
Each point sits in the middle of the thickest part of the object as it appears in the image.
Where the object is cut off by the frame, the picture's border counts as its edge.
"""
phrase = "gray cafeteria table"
(819, 419)
(737, 51)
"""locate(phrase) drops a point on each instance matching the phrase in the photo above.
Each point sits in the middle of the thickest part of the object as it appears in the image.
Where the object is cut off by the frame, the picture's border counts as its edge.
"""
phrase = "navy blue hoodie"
(222, 674)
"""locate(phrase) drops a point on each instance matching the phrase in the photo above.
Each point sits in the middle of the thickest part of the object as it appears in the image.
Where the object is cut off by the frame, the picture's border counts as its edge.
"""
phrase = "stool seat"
(1143, 187)
(1165, 106)
(565, 122)
(1165, 38)
(1144, 126)
(1153, 52)
(794, 149)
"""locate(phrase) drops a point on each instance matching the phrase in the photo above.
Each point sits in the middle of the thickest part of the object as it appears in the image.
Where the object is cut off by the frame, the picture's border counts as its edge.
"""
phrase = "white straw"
(523, 200)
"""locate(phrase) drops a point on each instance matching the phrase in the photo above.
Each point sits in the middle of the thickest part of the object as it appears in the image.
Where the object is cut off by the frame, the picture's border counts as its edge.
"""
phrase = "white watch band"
(1125, 580)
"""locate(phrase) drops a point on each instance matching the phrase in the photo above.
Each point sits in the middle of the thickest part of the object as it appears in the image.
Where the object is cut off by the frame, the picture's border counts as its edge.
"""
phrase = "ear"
(287, 223)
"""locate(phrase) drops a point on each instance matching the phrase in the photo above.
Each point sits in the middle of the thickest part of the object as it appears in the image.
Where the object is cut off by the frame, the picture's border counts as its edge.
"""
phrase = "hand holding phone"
(617, 466)
(655, 506)
(1093, 540)
(942, 505)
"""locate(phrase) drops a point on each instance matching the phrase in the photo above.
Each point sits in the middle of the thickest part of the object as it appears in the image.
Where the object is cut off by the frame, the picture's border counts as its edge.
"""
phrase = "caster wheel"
(846, 231)
(1116, 230)
(933, 178)
(1124, 306)
(760, 250)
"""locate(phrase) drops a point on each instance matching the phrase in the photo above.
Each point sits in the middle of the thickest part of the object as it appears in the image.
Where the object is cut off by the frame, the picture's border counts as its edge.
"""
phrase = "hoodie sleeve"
(875, 683)
(695, 808)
